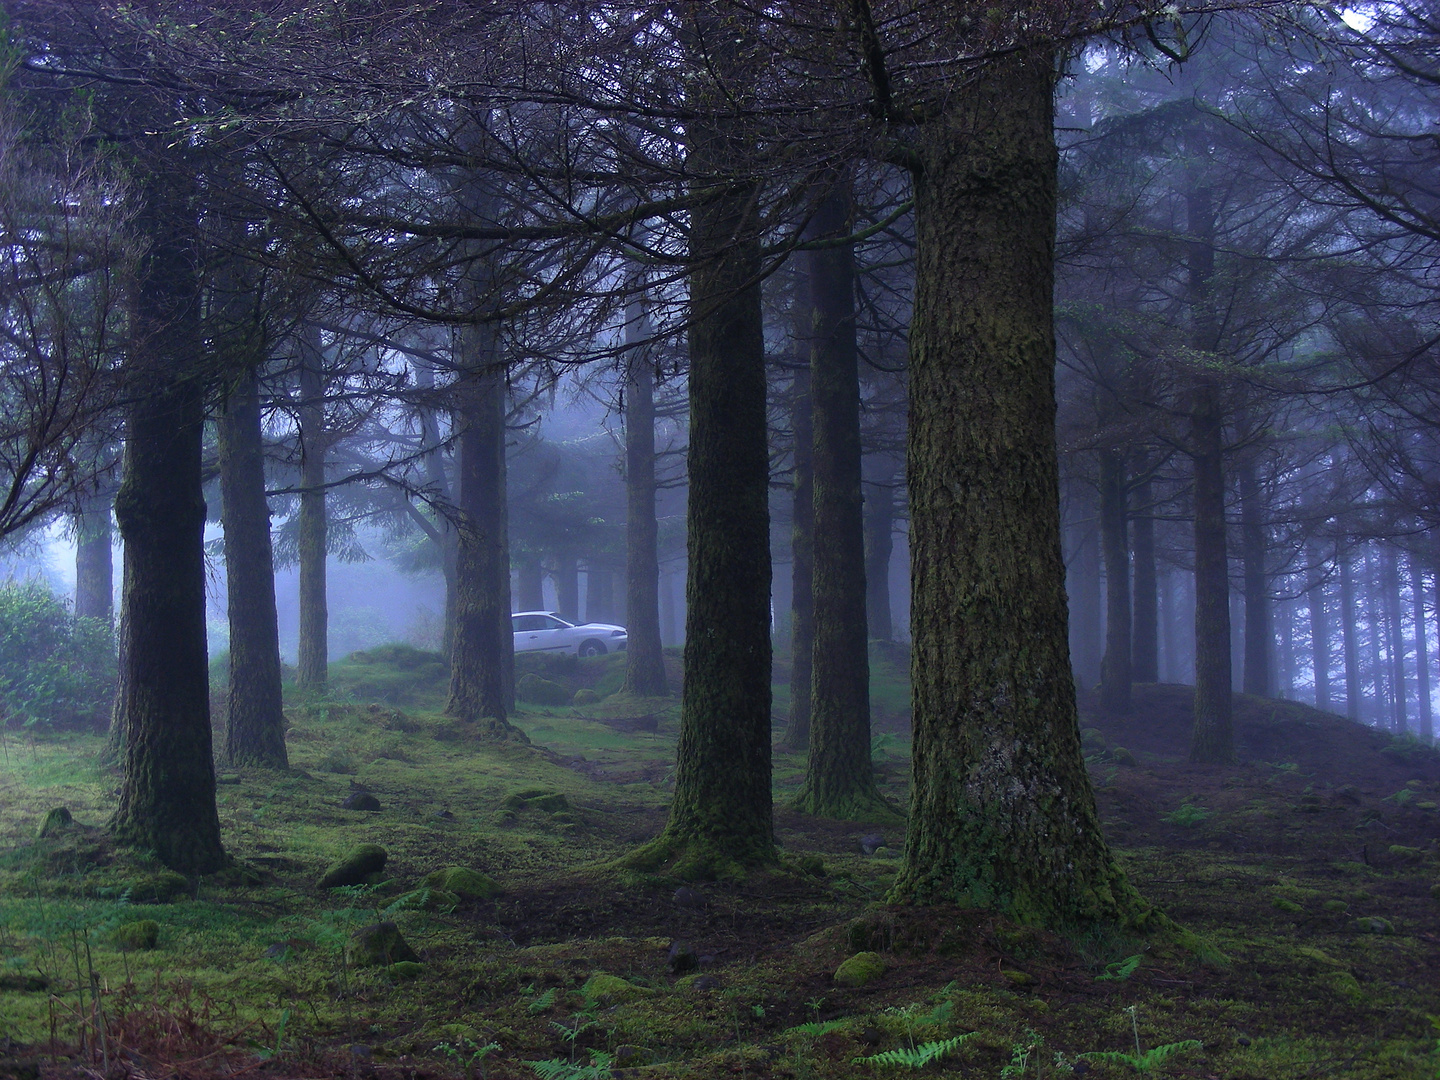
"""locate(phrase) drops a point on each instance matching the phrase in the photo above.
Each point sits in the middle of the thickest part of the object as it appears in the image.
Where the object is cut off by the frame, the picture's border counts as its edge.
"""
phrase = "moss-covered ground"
(1308, 874)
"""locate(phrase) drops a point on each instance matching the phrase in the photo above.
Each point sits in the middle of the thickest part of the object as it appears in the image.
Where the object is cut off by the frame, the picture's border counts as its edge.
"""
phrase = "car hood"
(599, 626)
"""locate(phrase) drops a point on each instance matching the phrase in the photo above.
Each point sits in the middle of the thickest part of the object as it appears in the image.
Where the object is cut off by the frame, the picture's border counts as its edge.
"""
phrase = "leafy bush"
(55, 669)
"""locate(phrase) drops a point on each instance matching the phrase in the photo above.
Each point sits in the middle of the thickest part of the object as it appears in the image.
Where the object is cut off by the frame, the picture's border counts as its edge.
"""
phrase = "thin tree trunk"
(255, 721)
(1422, 651)
(1350, 646)
(879, 544)
(644, 662)
(1115, 674)
(995, 722)
(1145, 629)
(167, 797)
(482, 667)
(314, 650)
(1284, 614)
(802, 563)
(839, 779)
(530, 581)
(599, 593)
(94, 567)
(1259, 633)
(1319, 635)
(1394, 636)
(1083, 582)
(567, 587)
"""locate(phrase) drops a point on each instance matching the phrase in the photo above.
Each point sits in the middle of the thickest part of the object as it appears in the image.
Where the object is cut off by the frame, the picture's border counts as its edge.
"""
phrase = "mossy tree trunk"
(1002, 813)
(1145, 626)
(167, 797)
(802, 561)
(313, 526)
(1115, 677)
(644, 660)
(879, 545)
(94, 565)
(839, 780)
(1258, 676)
(721, 818)
(482, 665)
(255, 720)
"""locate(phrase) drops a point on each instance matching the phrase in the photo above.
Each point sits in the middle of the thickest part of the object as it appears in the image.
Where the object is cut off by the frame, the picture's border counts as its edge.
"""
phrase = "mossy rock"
(546, 799)
(860, 969)
(1373, 924)
(812, 865)
(1018, 978)
(1336, 907)
(463, 882)
(135, 936)
(1121, 756)
(865, 935)
(407, 969)
(611, 989)
(355, 867)
(1342, 982)
(1408, 854)
(1279, 903)
(56, 821)
(159, 888)
(425, 899)
(379, 945)
(537, 690)
(1319, 956)
(585, 696)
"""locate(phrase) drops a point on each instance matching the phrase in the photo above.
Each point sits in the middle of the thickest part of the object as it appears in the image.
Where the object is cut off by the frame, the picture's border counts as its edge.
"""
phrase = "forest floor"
(1309, 874)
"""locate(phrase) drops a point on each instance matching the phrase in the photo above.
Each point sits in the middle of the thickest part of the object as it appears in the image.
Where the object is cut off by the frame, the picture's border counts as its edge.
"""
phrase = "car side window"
(549, 623)
(523, 623)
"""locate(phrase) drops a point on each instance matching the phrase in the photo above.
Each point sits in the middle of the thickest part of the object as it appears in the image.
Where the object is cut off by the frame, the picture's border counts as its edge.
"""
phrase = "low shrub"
(56, 669)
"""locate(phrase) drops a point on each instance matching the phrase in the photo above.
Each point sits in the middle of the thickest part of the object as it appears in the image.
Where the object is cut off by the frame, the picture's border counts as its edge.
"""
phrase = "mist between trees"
(1118, 319)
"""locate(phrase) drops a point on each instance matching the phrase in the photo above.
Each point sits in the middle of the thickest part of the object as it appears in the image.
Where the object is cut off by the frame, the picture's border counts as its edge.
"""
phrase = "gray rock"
(361, 800)
(870, 842)
(379, 945)
(690, 898)
(682, 958)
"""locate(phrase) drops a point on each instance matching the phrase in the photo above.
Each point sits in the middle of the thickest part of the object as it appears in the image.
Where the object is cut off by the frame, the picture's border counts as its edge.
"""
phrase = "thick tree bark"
(839, 780)
(255, 722)
(879, 544)
(313, 541)
(1145, 627)
(167, 797)
(644, 661)
(1115, 672)
(1319, 634)
(802, 563)
(1259, 676)
(1212, 741)
(94, 567)
(1349, 645)
(482, 667)
(1422, 657)
(1394, 638)
(1002, 813)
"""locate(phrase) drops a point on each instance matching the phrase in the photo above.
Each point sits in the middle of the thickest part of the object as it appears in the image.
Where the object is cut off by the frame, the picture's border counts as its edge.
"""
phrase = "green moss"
(355, 867)
(537, 690)
(860, 970)
(55, 822)
(611, 989)
(463, 882)
(133, 936)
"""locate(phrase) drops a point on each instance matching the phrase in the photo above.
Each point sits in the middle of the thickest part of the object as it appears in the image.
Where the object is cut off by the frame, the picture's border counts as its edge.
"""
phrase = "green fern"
(541, 1003)
(560, 1069)
(1147, 1061)
(915, 1057)
(1121, 969)
(816, 1028)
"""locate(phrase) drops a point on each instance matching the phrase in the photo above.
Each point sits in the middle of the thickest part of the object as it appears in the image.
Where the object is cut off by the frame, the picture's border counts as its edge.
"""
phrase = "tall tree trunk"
(644, 661)
(1213, 740)
(167, 797)
(1422, 651)
(879, 544)
(1115, 675)
(530, 580)
(839, 780)
(94, 569)
(438, 525)
(1083, 587)
(1376, 643)
(1145, 630)
(313, 527)
(721, 817)
(802, 562)
(1394, 637)
(482, 667)
(1284, 615)
(1319, 634)
(1002, 812)
(1350, 646)
(567, 587)
(1259, 678)
(255, 721)
(599, 592)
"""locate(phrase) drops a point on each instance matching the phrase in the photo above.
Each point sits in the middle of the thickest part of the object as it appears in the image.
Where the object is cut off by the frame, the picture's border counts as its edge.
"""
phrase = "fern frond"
(1121, 969)
(1159, 1054)
(915, 1057)
(816, 1027)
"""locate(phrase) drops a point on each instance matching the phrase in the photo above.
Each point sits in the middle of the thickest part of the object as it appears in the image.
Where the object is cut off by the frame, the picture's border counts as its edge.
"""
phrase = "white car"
(544, 631)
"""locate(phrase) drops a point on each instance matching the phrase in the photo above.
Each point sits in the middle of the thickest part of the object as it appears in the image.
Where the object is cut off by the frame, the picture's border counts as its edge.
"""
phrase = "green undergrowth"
(1296, 963)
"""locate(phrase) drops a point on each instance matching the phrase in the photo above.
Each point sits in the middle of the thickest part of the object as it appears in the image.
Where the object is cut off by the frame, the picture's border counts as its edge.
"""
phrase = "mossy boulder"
(585, 696)
(545, 799)
(406, 969)
(355, 867)
(1406, 854)
(1373, 924)
(611, 989)
(135, 936)
(861, 969)
(1280, 903)
(1319, 956)
(379, 945)
(1121, 756)
(463, 882)
(1342, 982)
(812, 865)
(162, 887)
(537, 690)
(55, 822)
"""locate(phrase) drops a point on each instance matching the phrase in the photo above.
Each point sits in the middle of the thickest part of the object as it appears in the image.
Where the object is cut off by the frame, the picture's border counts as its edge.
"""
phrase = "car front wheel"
(592, 648)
